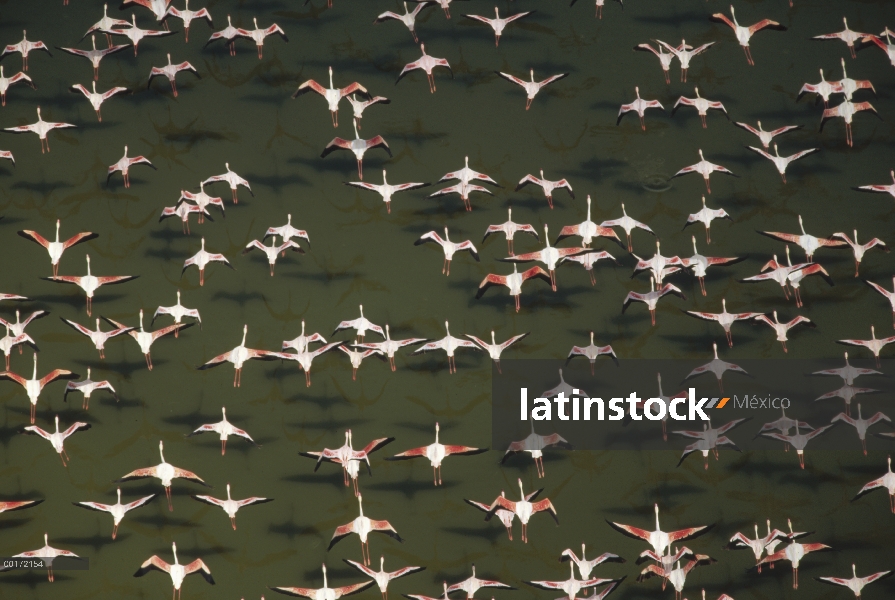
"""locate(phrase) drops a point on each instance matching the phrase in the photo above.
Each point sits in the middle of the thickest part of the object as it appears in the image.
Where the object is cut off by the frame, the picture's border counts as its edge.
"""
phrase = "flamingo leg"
(553, 279)
(630, 248)
(708, 235)
(528, 103)
(652, 314)
(784, 347)
(496, 40)
(114, 531)
(864, 446)
(233, 522)
(235, 199)
(593, 278)
(360, 169)
(356, 490)
(749, 55)
(729, 339)
(525, 533)
(148, 361)
(708, 186)
(664, 432)
(795, 578)
(49, 569)
(802, 460)
(271, 270)
(260, 48)
(354, 374)
(684, 75)
(168, 495)
(497, 362)
(174, 88)
(434, 476)
(447, 12)
(391, 362)
(667, 76)
(89, 305)
(86, 402)
(335, 117)
(704, 124)
(223, 447)
(642, 124)
(857, 266)
(186, 35)
(550, 201)
(308, 378)
(99, 116)
(201, 277)
(431, 82)
(62, 456)
(702, 287)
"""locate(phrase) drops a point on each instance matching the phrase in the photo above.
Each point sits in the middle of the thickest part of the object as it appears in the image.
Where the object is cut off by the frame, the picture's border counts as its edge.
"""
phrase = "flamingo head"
(228, 491)
(700, 150)
(119, 495)
(715, 349)
(57, 422)
(510, 209)
(759, 125)
(637, 90)
(496, 13)
(724, 304)
(693, 237)
(227, 166)
(447, 328)
(520, 488)
(178, 296)
(423, 48)
(203, 243)
(255, 21)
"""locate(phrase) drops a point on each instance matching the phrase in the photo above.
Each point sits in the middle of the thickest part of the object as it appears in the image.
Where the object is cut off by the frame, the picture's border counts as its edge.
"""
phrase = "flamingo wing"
(296, 591)
(207, 500)
(463, 450)
(153, 562)
(183, 473)
(553, 78)
(630, 531)
(766, 24)
(408, 454)
(197, 566)
(336, 144)
(57, 374)
(34, 237)
(511, 79)
(722, 18)
(340, 533)
(490, 280)
(347, 590)
(76, 427)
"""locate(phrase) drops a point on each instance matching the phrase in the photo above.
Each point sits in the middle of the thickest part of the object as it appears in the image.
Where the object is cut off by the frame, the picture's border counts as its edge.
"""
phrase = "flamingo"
(549, 255)
(639, 106)
(326, 592)
(859, 249)
(890, 296)
(158, 7)
(184, 210)
(587, 230)
(257, 34)
(757, 545)
(782, 162)
(165, 473)
(358, 146)
(661, 266)
(846, 35)
(306, 358)
(177, 571)
(848, 373)
(436, 453)
(677, 575)
(363, 526)
(125, 162)
(506, 516)
(57, 438)
(302, 342)
(523, 509)
(717, 367)
(46, 555)
(509, 229)
(426, 63)
(531, 87)
(106, 22)
(855, 583)
(117, 510)
(570, 586)
(34, 386)
(798, 441)
(385, 190)
(651, 298)
(201, 201)
(847, 110)
(382, 577)
(146, 338)
(24, 48)
(359, 106)
(534, 444)
(448, 247)
(408, 18)
(701, 105)
(744, 34)
(6, 82)
(98, 337)
(591, 352)
(659, 539)
(230, 505)
(628, 225)
(449, 344)
(498, 24)
(888, 47)
(224, 429)
(861, 424)
(664, 57)
(585, 567)
(782, 328)
(388, 347)
(360, 325)
(56, 248)
(704, 168)
(231, 178)
(444, 4)
(41, 128)
(809, 243)
(287, 232)
(513, 281)
(708, 440)
(87, 387)
(135, 34)
(494, 349)
(202, 258)
(357, 356)
(724, 318)
(873, 344)
(824, 89)
(332, 95)
(170, 71)
(463, 189)
(589, 260)
(766, 136)
(238, 357)
(178, 311)
(8, 342)
(18, 505)
(187, 16)
(706, 216)
(886, 482)
(273, 250)
(228, 34)
(775, 271)
(849, 86)
(467, 175)
(599, 9)
(886, 189)
(794, 554)
(847, 392)
(95, 55)
(685, 53)
(346, 454)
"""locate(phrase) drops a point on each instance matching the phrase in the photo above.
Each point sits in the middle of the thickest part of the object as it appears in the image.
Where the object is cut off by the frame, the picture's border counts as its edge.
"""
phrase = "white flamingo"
(57, 247)
(117, 510)
(57, 438)
(165, 473)
(177, 571)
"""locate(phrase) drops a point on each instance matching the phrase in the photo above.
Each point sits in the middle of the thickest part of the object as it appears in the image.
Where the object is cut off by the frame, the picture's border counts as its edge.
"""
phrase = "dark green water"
(240, 112)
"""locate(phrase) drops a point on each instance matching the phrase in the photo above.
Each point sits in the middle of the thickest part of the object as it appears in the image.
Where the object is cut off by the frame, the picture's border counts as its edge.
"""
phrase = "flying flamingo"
(859, 249)
(809, 243)
(56, 248)
(332, 95)
(700, 264)
(591, 352)
(357, 356)
(233, 179)
(98, 337)
(224, 429)
(849, 86)
(359, 106)
(178, 311)
(46, 555)
(509, 229)
(326, 592)
(848, 393)
(685, 53)
(744, 34)
(187, 16)
(228, 34)
(708, 440)
(797, 441)
(664, 57)
(426, 63)
(549, 255)
(467, 175)
(360, 325)
(203, 258)
(587, 230)
(701, 105)
(757, 545)
(506, 516)
(861, 424)
(888, 47)
(775, 271)
(498, 24)
(117, 510)
(782, 328)
(238, 357)
(463, 189)
(165, 473)
(388, 347)
(385, 190)
(589, 260)
(358, 146)
(170, 71)
(448, 247)
(436, 453)
(706, 216)
(782, 162)
(145, 339)
(57, 438)
(287, 232)
(408, 18)
(599, 9)
(585, 566)
(531, 87)
(766, 136)
(8, 342)
(886, 482)
(302, 342)
(346, 454)
(794, 554)
(382, 577)
(87, 387)
(17, 505)
(106, 22)
(848, 373)
(724, 318)
(201, 201)
(846, 35)
(847, 110)
(124, 163)
(23, 48)
(230, 505)
(6, 82)
(639, 106)
(570, 586)
(177, 571)
(449, 344)
(306, 358)
(158, 7)
(273, 250)
(94, 55)
(873, 344)
(704, 168)
(659, 539)
(661, 266)
(494, 349)
(855, 583)
(513, 281)
(34, 386)
(257, 35)
(135, 34)
(717, 367)
(890, 296)
(522, 509)
(41, 128)
(363, 526)
(184, 210)
(651, 298)
(824, 89)
(628, 224)
(534, 444)
(677, 576)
